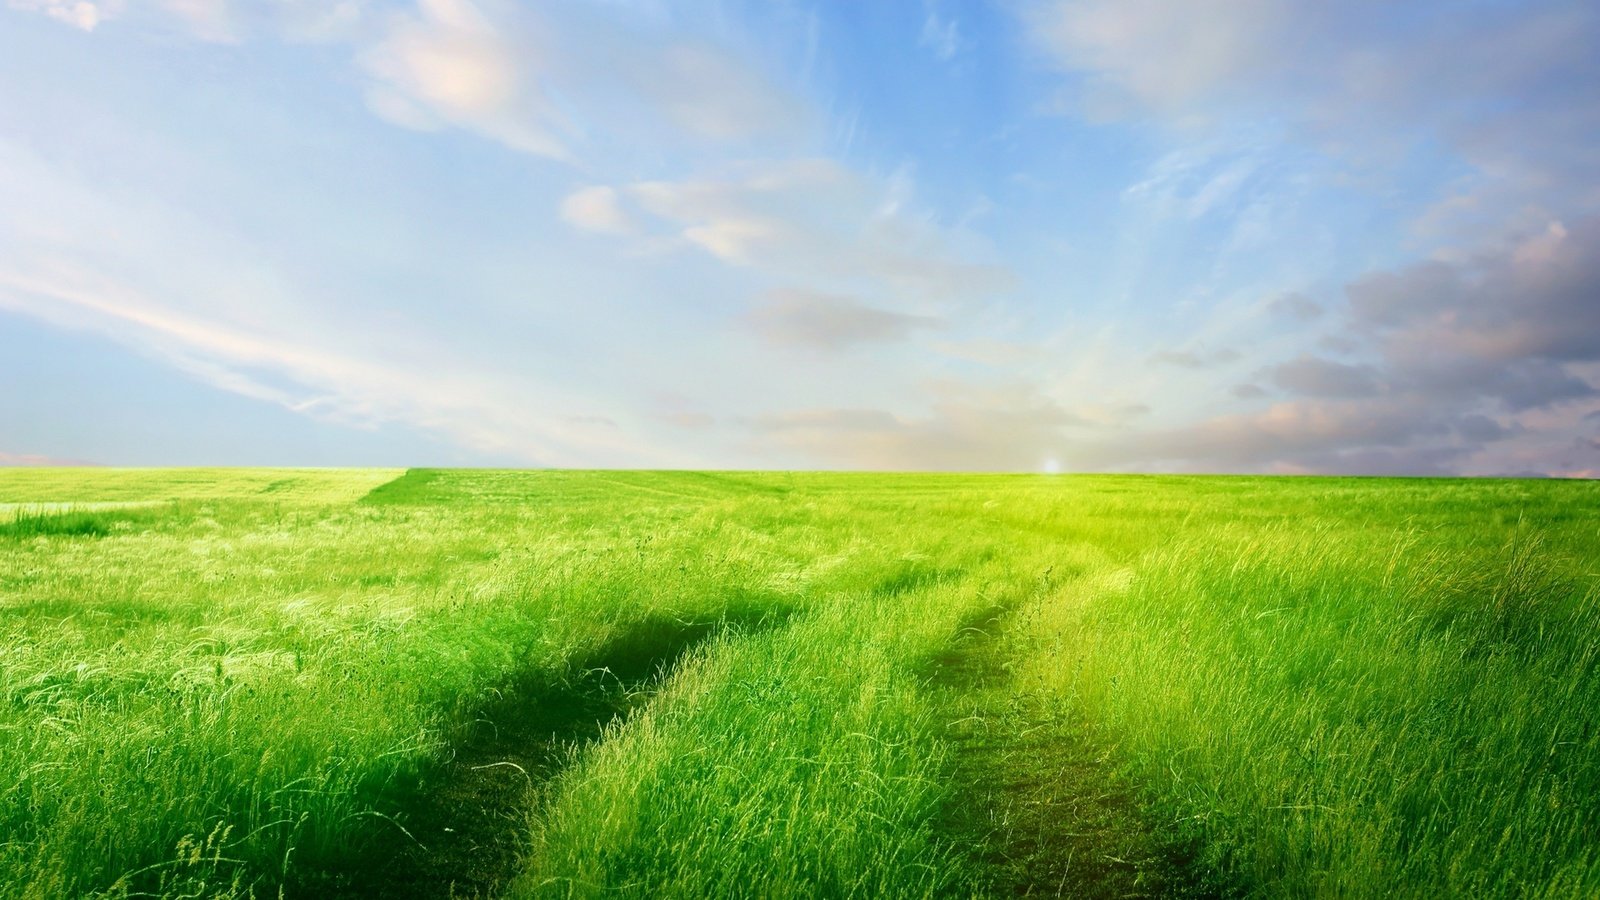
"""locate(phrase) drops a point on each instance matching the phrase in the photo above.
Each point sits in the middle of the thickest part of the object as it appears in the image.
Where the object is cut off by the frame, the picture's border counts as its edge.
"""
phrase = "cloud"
(1505, 325)
(543, 79)
(1509, 88)
(816, 220)
(958, 434)
(1483, 364)
(449, 63)
(1019, 430)
(1158, 53)
(306, 371)
(1312, 376)
(1534, 298)
(1193, 359)
(1481, 429)
(940, 35)
(1300, 435)
(1010, 426)
(1480, 364)
(829, 322)
(1492, 343)
(1295, 306)
(77, 13)
(597, 209)
(548, 80)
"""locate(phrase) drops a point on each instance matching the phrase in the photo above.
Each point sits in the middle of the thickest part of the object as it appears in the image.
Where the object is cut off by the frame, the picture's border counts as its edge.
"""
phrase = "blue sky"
(1080, 235)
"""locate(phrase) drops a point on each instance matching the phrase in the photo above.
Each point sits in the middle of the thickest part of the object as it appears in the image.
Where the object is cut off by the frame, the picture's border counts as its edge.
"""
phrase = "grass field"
(232, 683)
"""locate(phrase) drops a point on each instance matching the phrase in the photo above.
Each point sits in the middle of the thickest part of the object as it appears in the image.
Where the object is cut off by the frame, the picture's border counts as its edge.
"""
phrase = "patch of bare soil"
(1039, 808)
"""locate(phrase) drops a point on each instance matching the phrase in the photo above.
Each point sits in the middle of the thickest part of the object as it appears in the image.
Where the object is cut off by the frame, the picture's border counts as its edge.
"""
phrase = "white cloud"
(451, 64)
(1166, 55)
(819, 221)
(540, 79)
(1507, 87)
(547, 80)
(597, 209)
(77, 13)
(302, 370)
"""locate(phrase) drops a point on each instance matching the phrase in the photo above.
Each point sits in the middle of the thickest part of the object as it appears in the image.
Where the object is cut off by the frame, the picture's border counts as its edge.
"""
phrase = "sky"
(1281, 236)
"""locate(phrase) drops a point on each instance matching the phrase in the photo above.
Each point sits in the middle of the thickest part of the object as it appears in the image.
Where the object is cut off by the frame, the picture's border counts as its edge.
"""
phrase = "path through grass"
(262, 680)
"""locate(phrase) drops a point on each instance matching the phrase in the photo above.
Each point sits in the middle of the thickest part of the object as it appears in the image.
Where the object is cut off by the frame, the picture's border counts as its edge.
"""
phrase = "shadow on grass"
(1038, 809)
(461, 830)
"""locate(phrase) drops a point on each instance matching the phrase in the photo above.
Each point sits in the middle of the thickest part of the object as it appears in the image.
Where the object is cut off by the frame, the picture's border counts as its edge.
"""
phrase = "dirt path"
(1039, 809)
(461, 832)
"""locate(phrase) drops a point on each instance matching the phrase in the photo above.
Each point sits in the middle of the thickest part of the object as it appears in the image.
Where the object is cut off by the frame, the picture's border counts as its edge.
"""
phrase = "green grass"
(232, 683)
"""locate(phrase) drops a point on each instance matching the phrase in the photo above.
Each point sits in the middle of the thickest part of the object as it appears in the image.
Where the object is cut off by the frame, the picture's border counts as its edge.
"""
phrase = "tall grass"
(1354, 704)
(1336, 687)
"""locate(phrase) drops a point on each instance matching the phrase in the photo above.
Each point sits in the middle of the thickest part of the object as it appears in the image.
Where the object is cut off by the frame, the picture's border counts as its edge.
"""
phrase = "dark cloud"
(830, 322)
(1313, 376)
(1294, 433)
(1485, 358)
(1504, 326)
(1295, 306)
(1457, 351)
(1016, 429)
(1338, 343)
(1452, 361)
(1481, 429)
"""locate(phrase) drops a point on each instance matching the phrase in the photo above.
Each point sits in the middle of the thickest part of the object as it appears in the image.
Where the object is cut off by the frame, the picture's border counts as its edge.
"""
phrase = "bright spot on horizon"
(1052, 466)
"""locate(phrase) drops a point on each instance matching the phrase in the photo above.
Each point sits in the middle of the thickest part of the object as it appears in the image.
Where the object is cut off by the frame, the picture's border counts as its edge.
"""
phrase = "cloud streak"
(830, 323)
(818, 220)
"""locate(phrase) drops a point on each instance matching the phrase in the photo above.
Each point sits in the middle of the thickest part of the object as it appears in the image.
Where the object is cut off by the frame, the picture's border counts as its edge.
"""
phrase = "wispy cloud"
(829, 322)
(449, 63)
(488, 410)
(818, 220)
(941, 34)
(1507, 87)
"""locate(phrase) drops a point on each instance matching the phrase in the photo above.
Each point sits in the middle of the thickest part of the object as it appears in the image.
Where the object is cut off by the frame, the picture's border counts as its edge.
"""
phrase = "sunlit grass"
(1330, 686)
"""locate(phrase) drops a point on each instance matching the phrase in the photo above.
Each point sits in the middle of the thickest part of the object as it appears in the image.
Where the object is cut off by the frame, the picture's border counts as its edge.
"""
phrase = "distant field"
(375, 683)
